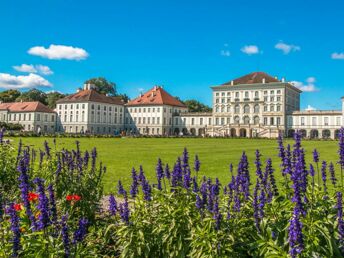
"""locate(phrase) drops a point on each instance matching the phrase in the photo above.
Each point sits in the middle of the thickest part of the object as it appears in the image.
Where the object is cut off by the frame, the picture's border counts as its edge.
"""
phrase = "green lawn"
(120, 155)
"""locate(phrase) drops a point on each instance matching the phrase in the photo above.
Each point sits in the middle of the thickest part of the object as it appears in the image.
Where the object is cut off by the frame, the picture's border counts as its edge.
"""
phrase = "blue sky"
(186, 46)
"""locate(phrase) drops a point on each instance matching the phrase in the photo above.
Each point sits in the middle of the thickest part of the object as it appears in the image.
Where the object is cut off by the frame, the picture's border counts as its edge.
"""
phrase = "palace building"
(254, 105)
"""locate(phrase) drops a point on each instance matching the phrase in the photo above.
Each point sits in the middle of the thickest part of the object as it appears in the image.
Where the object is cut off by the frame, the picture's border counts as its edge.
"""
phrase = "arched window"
(256, 120)
(256, 94)
(237, 109)
(228, 109)
(272, 108)
(236, 120)
(246, 109)
(256, 108)
(246, 120)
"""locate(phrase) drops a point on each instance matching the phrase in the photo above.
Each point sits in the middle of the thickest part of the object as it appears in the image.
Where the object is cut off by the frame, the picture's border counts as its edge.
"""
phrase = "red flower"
(17, 207)
(33, 197)
(73, 197)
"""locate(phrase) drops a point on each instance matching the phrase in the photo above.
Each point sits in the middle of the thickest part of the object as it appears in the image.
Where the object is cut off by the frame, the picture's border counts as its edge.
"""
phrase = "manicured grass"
(121, 154)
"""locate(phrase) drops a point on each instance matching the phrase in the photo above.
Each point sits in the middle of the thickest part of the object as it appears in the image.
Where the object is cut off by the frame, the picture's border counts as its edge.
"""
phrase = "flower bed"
(51, 206)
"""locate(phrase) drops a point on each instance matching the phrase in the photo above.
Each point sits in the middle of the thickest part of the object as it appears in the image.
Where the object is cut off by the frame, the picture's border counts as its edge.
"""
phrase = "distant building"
(88, 111)
(153, 113)
(33, 116)
(254, 105)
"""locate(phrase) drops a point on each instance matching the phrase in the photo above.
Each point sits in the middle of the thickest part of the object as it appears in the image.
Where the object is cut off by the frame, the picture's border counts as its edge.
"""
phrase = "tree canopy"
(196, 106)
(103, 85)
(33, 95)
(9, 95)
(52, 97)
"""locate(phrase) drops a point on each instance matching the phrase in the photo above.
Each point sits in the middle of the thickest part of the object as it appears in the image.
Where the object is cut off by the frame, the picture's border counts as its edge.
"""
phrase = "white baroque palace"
(254, 105)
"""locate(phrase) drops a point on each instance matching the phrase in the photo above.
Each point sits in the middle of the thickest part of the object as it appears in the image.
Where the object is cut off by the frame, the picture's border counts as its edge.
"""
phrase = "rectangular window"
(326, 121)
(302, 121)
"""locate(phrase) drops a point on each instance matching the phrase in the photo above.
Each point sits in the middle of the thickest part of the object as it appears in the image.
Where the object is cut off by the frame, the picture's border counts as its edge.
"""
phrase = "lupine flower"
(204, 193)
(120, 188)
(339, 207)
(262, 201)
(296, 177)
(323, 174)
(255, 205)
(81, 231)
(159, 173)
(199, 203)
(287, 165)
(258, 165)
(134, 184)
(195, 185)
(124, 211)
(43, 205)
(187, 178)
(23, 168)
(217, 216)
(94, 158)
(47, 149)
(332, 174)
(295, 234)
(147, 190)
(65, 235)
(185, 158)
(167, 172)
(197, 164)
(112, 205)
(231, 169)
(177, 174)
(315, 156)
(311, 170)
(86, 158)
(341, 155)
(53, 210)
(15, 228)
(41, 157)
(2, 130)
(272, 177)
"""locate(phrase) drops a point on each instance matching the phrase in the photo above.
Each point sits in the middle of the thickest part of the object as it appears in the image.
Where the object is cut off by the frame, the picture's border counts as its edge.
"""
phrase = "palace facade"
(254, 105)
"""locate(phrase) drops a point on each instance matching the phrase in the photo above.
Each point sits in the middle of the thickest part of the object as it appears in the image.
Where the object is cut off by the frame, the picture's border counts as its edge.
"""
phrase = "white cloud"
(286, 48)
(140, 90)
(337, 56)
(25, 68)
(250, 49)
(59, 52)
(310, 108)
(8, 81)
(42, 69)
(225, 53)
(308, 87)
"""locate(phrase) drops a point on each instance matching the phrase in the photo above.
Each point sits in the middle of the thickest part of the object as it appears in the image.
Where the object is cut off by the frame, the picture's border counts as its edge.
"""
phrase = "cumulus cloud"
(287, 48)
(337, 56)
(250, 49)
(310, 108)
(225, 53)
(309, 86)
(59, 52)
(42, 69)
(8, 81)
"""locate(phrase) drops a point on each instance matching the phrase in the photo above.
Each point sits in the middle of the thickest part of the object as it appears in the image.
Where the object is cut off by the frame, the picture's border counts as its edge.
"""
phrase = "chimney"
(263, 80)
(232, 82)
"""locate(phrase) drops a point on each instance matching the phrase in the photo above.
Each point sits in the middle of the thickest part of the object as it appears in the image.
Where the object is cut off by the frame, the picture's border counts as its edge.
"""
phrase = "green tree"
(196, 106)
(124, 97)
(52, 97)
(9, 95)
(33, 95)
(103, 86)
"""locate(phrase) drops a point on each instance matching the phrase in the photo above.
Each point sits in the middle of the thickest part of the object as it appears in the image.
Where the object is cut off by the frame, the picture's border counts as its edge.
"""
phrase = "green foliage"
(33, 95)
(11, 127)
(103, 85)
(9, 95)
(196, 106)
(52, 97)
